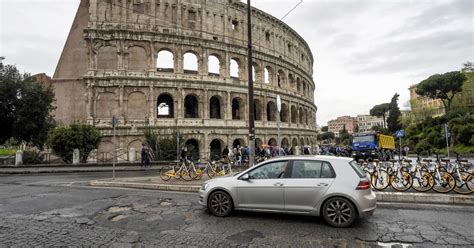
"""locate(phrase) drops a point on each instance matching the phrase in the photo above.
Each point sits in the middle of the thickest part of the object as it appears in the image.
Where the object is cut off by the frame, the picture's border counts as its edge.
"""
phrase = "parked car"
(333, 187)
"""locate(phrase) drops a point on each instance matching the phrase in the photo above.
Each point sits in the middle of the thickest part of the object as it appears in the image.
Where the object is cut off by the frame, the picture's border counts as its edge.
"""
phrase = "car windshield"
(367, 138)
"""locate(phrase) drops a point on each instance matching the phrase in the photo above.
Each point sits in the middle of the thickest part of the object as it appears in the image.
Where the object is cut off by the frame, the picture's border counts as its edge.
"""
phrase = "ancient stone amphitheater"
(181, 65)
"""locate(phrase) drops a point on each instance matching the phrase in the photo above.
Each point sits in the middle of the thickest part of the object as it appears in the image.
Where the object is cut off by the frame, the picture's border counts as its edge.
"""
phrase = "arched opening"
(237, 109)
(215, 149)
(238, 143)
(215, 108)
(258, 142)
(190, 63)
(306, 117)
(301, 141)
(271, 111)
(234, 68)
(272, 142)
(285, 143)
(291, 80)
(256, 72)
(294, 114)
(294, 142)
(298, 84)
(193, 149)
(165, 61)
(107, 58)
(107, 105)
(257, 110)
(304, 88)
(284, 113)
(214, 65)
(280, 78)
(191, 107)
(301, 115)
(267, 75)
(137, 59)
(165, 106)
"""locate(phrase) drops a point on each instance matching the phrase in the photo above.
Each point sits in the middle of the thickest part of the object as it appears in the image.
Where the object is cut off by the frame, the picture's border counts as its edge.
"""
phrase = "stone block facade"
(112, 65)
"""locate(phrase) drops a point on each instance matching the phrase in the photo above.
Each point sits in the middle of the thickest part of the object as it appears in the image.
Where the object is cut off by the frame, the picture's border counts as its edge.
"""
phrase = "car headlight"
(204, 186)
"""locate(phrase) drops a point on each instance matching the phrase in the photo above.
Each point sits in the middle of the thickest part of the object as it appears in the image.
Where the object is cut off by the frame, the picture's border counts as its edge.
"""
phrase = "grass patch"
(7, 152)
(461, 149)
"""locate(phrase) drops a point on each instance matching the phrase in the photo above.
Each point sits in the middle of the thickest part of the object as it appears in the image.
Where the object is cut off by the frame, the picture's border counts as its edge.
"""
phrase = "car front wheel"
(339, 212)
(220, 204)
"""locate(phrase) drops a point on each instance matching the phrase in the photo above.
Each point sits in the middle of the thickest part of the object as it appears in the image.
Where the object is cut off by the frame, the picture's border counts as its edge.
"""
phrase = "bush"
(32, 157)
(64, 140)
(423, 147)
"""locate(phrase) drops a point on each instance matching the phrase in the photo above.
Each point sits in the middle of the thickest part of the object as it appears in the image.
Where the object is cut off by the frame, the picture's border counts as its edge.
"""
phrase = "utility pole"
(250, 93)
(446, 133)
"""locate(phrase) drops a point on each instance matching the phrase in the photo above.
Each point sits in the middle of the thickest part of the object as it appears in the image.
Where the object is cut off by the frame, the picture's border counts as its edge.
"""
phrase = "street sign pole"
(278, 123)
(114, 122)
(400, 149)
(447, 139)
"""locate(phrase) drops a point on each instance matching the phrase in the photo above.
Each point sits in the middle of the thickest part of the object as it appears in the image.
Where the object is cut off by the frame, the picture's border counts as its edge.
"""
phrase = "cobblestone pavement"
(60, 211)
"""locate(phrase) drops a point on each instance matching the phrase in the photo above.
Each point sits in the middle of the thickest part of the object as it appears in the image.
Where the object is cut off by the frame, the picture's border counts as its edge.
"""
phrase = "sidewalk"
(156, 183)
(72, 168)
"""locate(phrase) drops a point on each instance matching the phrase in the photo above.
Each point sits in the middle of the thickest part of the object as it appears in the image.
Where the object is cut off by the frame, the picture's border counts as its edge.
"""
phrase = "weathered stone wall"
(112, 65)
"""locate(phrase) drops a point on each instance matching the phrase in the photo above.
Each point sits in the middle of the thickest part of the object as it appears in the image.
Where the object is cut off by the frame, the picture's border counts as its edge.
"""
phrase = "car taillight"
(363, 184)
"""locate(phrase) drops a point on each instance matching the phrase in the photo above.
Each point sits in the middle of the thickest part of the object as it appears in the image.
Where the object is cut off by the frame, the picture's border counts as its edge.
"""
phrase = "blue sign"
(400, 133)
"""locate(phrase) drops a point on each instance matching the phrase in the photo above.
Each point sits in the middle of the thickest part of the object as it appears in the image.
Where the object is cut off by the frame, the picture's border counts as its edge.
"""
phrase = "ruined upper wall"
(213, 20)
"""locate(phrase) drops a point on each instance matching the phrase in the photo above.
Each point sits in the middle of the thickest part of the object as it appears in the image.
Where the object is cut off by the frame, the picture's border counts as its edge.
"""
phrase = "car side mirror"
(245, 177)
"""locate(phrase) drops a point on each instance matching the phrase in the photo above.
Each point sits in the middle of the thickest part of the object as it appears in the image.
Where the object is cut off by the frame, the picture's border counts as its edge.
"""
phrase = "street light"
(250, 92)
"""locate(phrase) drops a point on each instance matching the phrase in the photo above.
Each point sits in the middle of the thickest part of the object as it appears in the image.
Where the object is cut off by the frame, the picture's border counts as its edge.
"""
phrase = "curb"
(155, 186)
(381, 196)
(68, 170)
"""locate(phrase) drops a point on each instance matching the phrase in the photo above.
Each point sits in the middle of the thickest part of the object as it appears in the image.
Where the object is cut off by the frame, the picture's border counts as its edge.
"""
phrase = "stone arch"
(214, 65)
(191, 106)
(137, 144)
(268, 75)
(294, 142)
(216, 147)
(190, 62)
(271, 111)
(105, 150)
(235, 68)
(301, 115)
(281, 78)
(291, 81)
(136, 106)
(285, 143)
(165, 106)
(304, 88)
(107, 105)
(306, 118)
(137, 59)
(165, 60)
(272, 142)
(237, 109)
(107, 58)
(257, 109)
(193, 149)
(284, 113)
(298, 84)
(215, 107)
(301, 141)
(294, 114)
(238, 142)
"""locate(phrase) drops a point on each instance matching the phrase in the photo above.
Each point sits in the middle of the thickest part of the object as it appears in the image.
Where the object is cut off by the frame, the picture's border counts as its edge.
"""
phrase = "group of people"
(344, 151)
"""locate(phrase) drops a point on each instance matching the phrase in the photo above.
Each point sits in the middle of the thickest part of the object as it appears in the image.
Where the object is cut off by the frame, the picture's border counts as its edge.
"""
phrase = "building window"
(235, 25)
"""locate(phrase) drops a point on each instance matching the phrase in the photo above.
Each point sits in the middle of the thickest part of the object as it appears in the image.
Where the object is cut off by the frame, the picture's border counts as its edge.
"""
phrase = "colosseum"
(182, 65)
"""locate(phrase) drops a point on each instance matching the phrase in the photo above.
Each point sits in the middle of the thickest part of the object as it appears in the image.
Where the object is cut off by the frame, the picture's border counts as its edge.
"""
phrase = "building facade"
(366, 122)
(340, 123)
(116, 62)
(423, 107)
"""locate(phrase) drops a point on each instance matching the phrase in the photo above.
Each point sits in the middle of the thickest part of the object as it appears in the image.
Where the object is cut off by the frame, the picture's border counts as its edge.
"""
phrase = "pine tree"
(393, 120)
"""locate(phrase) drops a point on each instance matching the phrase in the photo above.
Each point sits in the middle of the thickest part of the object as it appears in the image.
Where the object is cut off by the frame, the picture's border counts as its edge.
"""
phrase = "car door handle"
(278, 184)
(322, 184)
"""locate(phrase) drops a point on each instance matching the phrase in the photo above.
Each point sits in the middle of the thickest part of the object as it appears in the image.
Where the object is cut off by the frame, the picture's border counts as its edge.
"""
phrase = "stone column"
(151, 105)
(178, 60)
(203, 64)
(225, 66)
(121, 113)
(205, 106)
(180, 99)
(229, 106)
(90, 104)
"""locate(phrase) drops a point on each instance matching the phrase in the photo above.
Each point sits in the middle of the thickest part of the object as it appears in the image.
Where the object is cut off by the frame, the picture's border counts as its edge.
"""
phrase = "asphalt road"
(61, 210)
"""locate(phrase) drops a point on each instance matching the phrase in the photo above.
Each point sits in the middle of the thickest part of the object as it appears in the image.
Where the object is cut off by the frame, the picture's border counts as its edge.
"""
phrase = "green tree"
(326, 136)
(393, 120)
(64, 140)
(25, 107)
(380, 111)
(344, 137)
(163, 145)
(324, 128)
(442, 86)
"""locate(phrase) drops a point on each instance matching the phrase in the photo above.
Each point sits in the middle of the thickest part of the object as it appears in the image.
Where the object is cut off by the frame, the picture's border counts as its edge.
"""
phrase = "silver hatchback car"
(334, 187)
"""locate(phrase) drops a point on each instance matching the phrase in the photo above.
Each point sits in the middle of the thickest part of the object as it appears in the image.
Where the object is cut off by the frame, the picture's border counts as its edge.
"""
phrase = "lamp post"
(278, 123)
(250, 87)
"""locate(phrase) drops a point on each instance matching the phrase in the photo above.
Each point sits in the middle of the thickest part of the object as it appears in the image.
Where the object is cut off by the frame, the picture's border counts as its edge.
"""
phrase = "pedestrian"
(144, 153)
(225, 152)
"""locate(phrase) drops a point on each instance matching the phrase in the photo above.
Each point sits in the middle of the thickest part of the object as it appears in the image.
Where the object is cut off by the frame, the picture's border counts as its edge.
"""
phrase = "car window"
(356, 167)
(306, 169)
(327, 171)
(269, 171)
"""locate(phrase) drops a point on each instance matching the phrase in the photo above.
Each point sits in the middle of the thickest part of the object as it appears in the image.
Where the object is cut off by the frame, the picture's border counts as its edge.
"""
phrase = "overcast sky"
(365, 51)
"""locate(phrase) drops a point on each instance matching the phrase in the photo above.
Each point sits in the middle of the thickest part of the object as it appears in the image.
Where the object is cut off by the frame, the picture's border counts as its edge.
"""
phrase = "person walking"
(225, 152)
(145, 159)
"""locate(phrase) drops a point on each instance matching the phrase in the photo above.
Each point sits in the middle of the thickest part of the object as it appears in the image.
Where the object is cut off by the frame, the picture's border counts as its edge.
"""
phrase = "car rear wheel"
(339, 212)
(220, 204)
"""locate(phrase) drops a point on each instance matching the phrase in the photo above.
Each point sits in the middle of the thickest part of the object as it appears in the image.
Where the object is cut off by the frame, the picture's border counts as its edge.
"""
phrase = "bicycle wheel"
(210, 171)
(424, 183)
(166, 172)
(445, 183)
(402, 182)
(199, 173)
(466, 185)
(185, 175)
(379, 179)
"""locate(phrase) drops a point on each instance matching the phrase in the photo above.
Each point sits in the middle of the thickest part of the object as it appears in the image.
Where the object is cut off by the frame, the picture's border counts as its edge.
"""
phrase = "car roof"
(313, 157)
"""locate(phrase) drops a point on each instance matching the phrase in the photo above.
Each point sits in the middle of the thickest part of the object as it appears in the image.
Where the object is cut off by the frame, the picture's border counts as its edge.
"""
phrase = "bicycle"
(464, 179)
(399, 177)
(422, 179)
(379, 177)
(171, 172)
(444, 182)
